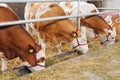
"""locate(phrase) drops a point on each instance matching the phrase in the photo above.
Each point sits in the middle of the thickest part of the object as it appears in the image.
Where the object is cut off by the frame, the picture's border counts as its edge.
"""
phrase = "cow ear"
(31, 49)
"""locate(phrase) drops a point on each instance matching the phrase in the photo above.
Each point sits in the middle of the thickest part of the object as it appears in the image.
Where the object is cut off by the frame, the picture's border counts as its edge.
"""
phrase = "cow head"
(36, 60)
(109, 36)
(16, 42)
(58, 30)
(80, 43)
(101, 27)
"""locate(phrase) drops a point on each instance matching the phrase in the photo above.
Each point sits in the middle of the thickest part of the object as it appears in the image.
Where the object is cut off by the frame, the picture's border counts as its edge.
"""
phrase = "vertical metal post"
(78, 14)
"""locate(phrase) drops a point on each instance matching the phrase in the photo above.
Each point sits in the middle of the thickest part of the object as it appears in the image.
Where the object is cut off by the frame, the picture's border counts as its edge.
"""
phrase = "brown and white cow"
(71, 8)
(16, 42)
(101, 28)
(54, 30)
(96, 25)
(113, 20)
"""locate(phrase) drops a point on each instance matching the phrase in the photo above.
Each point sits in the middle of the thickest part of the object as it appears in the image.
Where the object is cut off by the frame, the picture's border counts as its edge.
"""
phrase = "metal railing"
(24, 1)
(51, 18)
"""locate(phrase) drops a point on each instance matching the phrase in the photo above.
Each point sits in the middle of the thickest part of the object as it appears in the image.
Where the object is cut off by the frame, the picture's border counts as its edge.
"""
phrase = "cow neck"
(89, 26)
(86, 23)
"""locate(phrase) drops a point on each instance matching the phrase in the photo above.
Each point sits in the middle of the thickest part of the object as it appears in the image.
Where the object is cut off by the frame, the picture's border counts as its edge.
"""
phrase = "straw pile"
(101, 63)
(50, 51)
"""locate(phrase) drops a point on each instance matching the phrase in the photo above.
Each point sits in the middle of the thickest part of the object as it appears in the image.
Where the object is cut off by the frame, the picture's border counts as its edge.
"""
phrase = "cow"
(54, 30)
(71, 8)
(101, 28)
(113, 20)
(15, 41)
(96, 25)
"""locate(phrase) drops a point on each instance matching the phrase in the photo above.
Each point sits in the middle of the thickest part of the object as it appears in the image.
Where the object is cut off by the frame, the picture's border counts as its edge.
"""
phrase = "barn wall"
(111, 3)
(18, 8)
(96, 3)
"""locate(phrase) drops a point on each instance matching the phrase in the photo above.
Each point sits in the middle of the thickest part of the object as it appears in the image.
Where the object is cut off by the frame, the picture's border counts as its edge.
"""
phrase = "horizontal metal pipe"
(50, 18)
(109, 8)
(23, 1)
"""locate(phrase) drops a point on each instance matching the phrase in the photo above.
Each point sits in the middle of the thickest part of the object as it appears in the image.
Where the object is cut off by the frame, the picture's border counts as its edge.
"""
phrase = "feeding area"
(101, 62)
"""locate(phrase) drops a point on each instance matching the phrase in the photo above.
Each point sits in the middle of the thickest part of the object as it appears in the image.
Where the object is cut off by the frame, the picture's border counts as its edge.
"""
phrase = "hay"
(51, 51)
(13, 63)
(8, 75)
(100, 63)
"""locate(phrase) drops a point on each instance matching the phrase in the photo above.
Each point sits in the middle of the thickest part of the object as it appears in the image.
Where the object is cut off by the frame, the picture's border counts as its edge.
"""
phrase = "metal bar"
(23, 1)
(50, 18)
(109, 8)
(78, 14)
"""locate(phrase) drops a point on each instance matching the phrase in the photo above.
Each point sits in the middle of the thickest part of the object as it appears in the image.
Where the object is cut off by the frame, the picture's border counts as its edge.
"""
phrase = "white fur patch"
(1, 54)
(90, 33)
(27, 9)
(84, 8)
(3, 5)
(41, 42)
(83, 47)
(4, 64)
(43, 9)
(40, 54)
(36, 68)
(108, 19)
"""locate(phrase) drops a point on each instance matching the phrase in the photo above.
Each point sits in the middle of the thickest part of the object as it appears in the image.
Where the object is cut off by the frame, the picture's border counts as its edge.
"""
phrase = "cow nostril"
(79, 53)
(42, 59)
(112, 37)
(101, 43)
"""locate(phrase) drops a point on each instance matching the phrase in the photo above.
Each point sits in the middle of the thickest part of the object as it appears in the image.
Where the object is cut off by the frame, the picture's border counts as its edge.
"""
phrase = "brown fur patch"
(41, 59)
(93, 11)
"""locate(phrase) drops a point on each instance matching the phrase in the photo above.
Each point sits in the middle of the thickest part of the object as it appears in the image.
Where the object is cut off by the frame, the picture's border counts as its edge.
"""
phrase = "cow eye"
(74, 34)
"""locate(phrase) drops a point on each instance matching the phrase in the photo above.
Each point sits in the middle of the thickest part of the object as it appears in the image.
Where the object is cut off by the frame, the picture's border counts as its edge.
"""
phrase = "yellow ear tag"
(74, 34)
(31, 51)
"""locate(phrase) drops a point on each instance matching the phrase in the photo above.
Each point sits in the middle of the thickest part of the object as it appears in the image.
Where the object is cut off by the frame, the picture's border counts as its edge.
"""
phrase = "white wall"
(111, 3)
